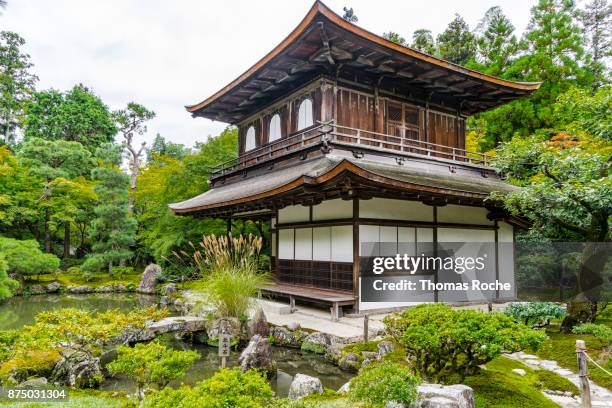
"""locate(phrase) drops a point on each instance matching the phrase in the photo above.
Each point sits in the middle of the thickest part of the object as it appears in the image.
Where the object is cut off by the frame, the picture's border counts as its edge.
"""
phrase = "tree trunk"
(47, 231)
(110, 268)
(66, 240)
(133, 179)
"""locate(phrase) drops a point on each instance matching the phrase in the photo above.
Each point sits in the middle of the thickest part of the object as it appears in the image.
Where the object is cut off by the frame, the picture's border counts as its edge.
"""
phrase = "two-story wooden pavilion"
(347, 138)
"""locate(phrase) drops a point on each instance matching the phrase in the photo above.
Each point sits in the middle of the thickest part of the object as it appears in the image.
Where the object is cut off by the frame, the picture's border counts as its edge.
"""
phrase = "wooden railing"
(331, 132)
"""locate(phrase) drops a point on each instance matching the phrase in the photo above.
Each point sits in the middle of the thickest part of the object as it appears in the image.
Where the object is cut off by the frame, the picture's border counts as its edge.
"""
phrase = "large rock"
(177, 324)
(304, 385)
(384, 348)
(37, 290)
(257, 355)
(77, 369)
(229, 325)
(284, 337)
(53, 287)
(349, 362)
(148, 280)
(258, 325)
(444, 396)
(39, 382)
(169, 289)
(318, 342)
(79, 289)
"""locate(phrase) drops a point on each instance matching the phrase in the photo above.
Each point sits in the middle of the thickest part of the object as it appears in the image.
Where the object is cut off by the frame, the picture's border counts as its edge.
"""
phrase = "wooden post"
(585, 389)
(366, 320)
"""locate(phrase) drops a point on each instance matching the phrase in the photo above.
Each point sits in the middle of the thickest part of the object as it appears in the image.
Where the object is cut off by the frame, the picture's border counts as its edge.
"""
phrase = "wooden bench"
(335, 298)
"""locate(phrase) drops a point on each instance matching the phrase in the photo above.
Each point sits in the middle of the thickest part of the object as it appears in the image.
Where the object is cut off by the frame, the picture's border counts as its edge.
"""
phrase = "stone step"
(274, 307)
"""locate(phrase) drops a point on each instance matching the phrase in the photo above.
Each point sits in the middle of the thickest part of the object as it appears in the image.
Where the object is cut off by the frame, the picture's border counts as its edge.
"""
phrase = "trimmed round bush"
(379, 383)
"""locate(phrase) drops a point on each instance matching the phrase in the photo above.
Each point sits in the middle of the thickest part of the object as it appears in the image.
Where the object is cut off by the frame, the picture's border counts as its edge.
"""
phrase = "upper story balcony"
(329, 134)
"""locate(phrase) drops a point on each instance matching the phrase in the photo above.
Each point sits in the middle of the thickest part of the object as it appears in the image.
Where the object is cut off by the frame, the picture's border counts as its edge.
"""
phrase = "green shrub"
(7, 285)
(151, 364)
(442, 342)
(25, 258)
(227, 388)
(74, 270)
(535, 313)
(120, 271)
(601, 331)
(378, 383)
(7, 341)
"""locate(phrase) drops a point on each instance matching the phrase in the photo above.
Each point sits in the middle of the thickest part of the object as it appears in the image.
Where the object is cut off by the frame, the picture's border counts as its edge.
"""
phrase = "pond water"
(19, 311)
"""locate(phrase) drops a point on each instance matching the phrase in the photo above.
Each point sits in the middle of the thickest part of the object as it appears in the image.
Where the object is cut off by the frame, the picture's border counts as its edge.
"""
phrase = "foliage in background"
(378, 383)
(226, 388)
(536, 314)
(168, 180)
(579, 110)
(77, 115)
(16, 84)
(601, 331)
(151, 364)
(442, 342)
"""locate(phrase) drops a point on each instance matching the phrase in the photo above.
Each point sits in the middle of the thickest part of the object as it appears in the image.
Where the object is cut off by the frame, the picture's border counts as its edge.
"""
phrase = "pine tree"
(496, 44)
(113, 230)
(423, 41)
(457, 44)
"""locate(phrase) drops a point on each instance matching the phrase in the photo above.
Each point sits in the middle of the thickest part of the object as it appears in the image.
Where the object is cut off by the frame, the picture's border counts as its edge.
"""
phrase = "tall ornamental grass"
(230, 272)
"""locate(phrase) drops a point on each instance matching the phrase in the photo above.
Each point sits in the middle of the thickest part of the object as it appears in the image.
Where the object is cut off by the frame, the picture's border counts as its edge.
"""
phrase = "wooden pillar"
(229, 225)
(496, 223)
(356, 250)
(435, 240)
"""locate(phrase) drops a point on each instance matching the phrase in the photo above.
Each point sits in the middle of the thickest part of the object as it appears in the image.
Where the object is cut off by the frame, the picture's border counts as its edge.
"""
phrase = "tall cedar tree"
(395, 37)
(497, 45)
(457, 44)
(113, 230)
(553, 54)
(16, 84)
(77, 115)
(596, 21)
(422, 40)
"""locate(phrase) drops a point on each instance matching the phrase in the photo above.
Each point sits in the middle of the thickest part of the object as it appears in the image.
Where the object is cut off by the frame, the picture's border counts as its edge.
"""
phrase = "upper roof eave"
(318, 8)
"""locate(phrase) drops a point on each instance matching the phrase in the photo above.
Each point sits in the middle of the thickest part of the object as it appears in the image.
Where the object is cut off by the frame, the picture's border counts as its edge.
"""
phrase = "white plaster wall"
(342, 243)
(321, 244)
(303, 244)
(463, 214)
(385, 208)
(333, 210)
(273, 243)
(425, 235)
(285, 245)
(506, 259)
(465, 235)
(293, 213)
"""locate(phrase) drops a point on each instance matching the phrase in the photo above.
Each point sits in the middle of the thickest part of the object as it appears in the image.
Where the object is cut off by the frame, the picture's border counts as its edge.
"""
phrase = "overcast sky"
(167, 54)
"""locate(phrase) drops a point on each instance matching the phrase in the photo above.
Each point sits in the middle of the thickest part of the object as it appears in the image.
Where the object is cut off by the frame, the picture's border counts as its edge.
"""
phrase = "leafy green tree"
(19, 195)
(579, 110)
(168, 180)
(536, 314)
(53, 162)
(566, 192)
(395, 37)
(422, 40)
(596, 19)
(77, 115)
(16, 83)
(24, 258)
(553, 53)
(151, 364)
(162, 147)
(457, 43)
(130, 121)
(497, 45)
(7, 285)
(113, 230)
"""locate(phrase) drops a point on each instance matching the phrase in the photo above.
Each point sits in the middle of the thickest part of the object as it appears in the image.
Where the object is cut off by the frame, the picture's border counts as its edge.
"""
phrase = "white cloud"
(167, 54)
